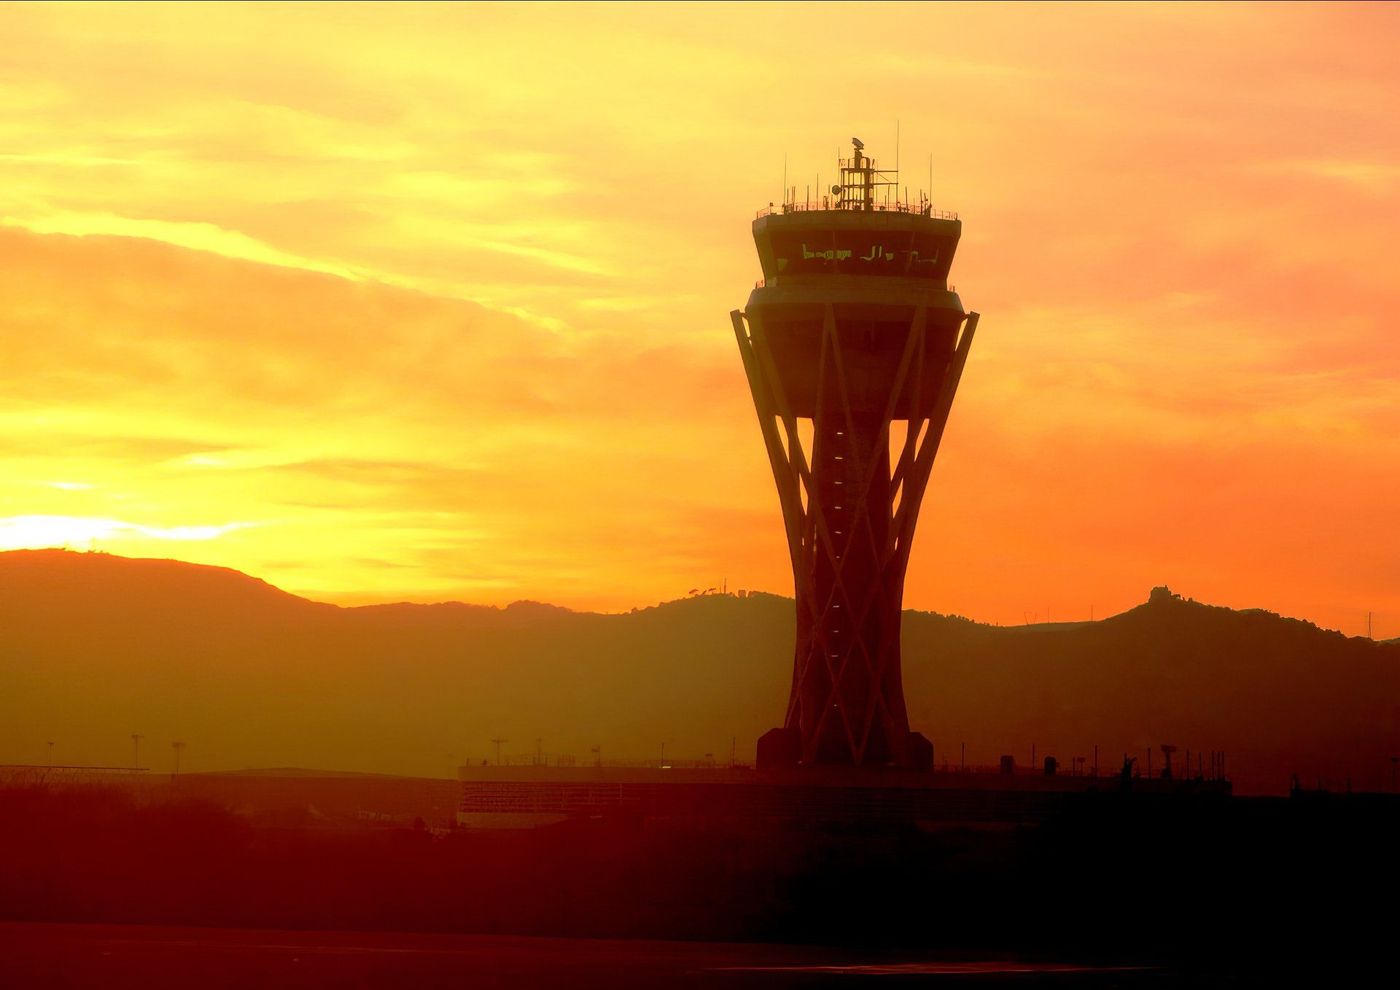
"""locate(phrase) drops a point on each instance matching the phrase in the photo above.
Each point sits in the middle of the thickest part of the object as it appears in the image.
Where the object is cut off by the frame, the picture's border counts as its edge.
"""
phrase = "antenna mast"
(860, 179)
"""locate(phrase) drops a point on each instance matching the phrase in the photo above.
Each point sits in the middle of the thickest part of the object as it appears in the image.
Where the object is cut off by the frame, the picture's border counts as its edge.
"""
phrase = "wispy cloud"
(1379, 178)
(196, 236)
(37, 532)
(418, 306)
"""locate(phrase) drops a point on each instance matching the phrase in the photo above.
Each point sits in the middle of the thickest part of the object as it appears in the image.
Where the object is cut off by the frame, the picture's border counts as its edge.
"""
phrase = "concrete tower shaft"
(853, 345)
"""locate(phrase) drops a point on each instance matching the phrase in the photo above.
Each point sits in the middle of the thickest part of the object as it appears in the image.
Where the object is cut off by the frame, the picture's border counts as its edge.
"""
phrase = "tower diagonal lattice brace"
(853, 336)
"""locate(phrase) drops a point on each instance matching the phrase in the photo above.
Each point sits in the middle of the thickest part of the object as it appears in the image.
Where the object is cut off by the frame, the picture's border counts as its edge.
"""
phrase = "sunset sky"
(401, 302)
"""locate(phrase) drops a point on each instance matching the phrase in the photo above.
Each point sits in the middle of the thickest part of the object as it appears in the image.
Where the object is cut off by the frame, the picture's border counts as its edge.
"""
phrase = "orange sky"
(431, 302)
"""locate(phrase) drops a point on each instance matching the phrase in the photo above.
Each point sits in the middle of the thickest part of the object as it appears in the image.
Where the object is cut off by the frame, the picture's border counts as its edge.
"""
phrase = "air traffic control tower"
(853, 343)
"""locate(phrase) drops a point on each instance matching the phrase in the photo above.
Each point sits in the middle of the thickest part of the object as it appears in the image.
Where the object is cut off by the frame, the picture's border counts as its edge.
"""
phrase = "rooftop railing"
(566, 761)
(763, 284)
(827, 205)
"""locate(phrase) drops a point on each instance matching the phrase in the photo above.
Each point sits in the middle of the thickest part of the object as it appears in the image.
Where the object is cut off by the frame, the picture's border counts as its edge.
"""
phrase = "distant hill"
(94, 647)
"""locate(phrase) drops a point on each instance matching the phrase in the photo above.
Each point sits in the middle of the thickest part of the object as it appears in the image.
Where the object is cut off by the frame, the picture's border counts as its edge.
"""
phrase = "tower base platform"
(781, 748)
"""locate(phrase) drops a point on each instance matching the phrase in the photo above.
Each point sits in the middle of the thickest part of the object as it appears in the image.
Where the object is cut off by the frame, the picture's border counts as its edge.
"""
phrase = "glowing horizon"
(356, 301)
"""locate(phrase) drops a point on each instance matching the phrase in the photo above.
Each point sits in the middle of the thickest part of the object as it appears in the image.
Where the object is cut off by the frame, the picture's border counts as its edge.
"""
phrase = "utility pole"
(177, 746)
(136, 738)
(50, 752)
(597, 752)
(498, 740)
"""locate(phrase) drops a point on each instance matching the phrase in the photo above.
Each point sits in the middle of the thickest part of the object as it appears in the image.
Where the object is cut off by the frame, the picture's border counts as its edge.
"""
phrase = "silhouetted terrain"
(1230, 887)
(95, 647)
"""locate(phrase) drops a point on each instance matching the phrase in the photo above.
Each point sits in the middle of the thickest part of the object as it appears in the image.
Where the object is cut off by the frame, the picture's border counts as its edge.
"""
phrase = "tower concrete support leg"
(850, 484)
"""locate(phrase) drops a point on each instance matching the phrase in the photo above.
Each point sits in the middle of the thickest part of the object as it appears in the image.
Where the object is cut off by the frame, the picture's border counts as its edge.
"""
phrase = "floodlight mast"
(853, 344)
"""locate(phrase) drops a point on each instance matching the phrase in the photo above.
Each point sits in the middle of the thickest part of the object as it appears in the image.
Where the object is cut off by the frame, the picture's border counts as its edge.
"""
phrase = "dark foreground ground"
(110, 887)
(167, 958)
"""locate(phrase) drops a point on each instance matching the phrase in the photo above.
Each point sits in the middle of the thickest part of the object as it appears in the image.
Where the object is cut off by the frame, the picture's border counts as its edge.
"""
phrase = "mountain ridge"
(95, 647)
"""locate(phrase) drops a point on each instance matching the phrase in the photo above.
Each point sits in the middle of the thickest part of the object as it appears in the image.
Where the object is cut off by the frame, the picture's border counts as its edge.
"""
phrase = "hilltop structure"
(854, 344)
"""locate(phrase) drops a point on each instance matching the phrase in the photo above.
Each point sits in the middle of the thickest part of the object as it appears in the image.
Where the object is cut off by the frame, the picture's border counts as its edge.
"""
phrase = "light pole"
(498, 742)
(50, 753)
(136, 738)
(177, 746)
